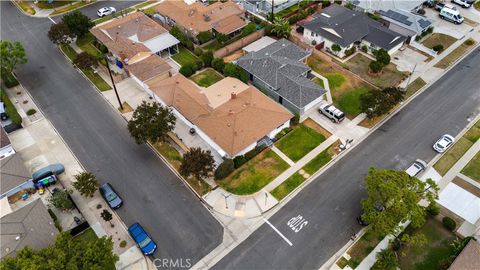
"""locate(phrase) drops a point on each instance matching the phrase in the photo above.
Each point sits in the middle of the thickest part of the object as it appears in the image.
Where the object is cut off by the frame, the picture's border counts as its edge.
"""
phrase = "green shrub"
(207, 58)
(375, 66)
(187, 70)
(469, 42)
(293, 19)
(9, 80)
(350, 51)
(364, 48)
(10, 108)
(433, 209)
(417, 38)
(282, 133)
(239, 161)
(204, 36)
(198, 51)
(438, 48)
(311, 10)
(247, 30)
(31, 112)
(295, 120)
(123, 244)
(449, 223)
(224, 169)
(218, 64)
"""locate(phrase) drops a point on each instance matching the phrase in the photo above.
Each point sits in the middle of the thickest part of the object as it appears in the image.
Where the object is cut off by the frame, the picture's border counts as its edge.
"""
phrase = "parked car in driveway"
(330, 111)
(443, 143)
(417, 167)
(105, 11)
(463, 3)
(143, 241)
(451, 15)
(52, 169)
(110, 196)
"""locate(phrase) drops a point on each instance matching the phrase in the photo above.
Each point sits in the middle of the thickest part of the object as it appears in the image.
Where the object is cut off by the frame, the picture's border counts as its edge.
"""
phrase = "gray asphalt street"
(91, 10)
(331, 202)
(182, 227)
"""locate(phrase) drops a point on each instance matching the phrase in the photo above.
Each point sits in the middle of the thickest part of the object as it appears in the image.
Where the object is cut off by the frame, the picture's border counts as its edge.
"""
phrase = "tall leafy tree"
(59, 33)
(376, 103)
(86, 183)
(281, 28)
(386, 260)
(12, 54)
(78, 23)
(65, 253)
(393, 197)
(61, 200)
(197, 162)
(151, 122)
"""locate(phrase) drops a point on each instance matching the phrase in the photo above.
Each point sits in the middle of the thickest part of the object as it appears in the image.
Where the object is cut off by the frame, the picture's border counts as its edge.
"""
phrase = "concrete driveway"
(445, 27)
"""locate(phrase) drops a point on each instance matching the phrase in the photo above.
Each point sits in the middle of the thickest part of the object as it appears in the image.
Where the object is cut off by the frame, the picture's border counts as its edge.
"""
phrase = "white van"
(451, 15)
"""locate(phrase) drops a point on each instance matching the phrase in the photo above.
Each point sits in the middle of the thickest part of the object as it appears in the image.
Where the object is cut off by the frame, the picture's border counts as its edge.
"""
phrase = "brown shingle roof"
(469, 258)
(234, 125)
(124, 36)
(230, 24)
(197, 16)
(149, 67)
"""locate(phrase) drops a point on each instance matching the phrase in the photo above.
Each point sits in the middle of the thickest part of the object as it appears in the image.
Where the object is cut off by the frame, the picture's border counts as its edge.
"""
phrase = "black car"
(110, 196)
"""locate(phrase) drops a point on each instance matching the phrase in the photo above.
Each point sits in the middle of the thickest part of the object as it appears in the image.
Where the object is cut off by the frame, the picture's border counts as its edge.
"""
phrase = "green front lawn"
(299, 142)
(55, 4)
(414, 86)
(86, 44)
(255, 174)
(473, 134)
(319, 82)
(70, 7)
(206, 77)
(430, 255)
(96, 79)
(87, 235)
(335, 80)
(10, 109)
(472, 169)
(184, 57)
(452, 155)
(318, 162)
(69, 51)
(363, 247)
(389, 76)
(350, 101)
(288, 186)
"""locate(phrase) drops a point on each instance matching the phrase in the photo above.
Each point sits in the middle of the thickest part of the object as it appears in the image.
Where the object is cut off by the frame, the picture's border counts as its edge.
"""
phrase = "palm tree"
(281, 28)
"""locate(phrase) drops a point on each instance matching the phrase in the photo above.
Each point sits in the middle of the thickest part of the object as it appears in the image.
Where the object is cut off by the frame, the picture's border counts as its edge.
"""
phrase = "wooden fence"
(230, 48)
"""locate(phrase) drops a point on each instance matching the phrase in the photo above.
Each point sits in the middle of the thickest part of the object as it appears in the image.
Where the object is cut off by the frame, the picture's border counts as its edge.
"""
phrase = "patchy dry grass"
(455, 54)
(439, 39)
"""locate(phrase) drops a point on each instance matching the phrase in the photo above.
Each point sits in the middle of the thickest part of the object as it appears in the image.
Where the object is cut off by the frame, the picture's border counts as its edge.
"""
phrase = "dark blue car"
(144, 242)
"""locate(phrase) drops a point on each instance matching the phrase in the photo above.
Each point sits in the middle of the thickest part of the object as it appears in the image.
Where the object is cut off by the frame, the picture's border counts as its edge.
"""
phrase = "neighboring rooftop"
(398, 11)
(149, 67)
(4, 140)
(30, 226)
(12, 173)
(279, 65)
(344, 26)
(198, 17)
(259, 44)
(469, 258)
(133, 34)
(234, 115)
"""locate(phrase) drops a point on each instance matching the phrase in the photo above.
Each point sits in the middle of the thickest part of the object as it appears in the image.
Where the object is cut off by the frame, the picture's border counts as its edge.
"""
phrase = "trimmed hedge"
(239, 161)
(252, 153)
(449, 223)
(10, 109)
(224, 169)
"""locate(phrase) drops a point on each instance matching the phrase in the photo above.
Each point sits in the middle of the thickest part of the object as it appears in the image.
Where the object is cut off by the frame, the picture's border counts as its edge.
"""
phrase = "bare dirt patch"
(315, 126)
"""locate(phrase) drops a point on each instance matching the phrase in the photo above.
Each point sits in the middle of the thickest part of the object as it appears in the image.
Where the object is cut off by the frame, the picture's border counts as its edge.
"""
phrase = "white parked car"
(417, 167)
(105, 11)
(443, 143)
(463, 3)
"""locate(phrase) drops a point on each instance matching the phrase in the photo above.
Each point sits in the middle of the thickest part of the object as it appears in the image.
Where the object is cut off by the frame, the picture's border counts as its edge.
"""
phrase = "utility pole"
(113, 83)
(410, 77)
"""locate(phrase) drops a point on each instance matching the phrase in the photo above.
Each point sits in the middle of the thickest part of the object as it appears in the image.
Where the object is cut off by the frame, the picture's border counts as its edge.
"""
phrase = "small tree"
(204, 36)
(336, 48)
(281, 28)
(151, 122)
(375, 66)
(86, 183)
(60, 199)
(224, 169)
(107, 216)
(230, 70)
(376, 103)
(222, 38)
(85, 60)
(218, 64)
(59, 33)
(207, 58)
(386, 260)
(186, 70)
(12, 54)
(78, 23)
(393, 198)
(382, 57)
(197, 162)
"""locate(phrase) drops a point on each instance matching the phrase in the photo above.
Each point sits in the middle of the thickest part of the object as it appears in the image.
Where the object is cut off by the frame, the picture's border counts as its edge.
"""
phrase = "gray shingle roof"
(30, 226)
(13, 173)
(344, 26)
(279, 66)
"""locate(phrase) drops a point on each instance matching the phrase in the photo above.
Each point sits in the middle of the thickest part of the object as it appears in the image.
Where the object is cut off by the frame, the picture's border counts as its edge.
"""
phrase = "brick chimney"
(233, 95)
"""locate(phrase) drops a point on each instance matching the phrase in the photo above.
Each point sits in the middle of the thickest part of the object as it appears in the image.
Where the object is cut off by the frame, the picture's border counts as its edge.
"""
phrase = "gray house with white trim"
(279, 71)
